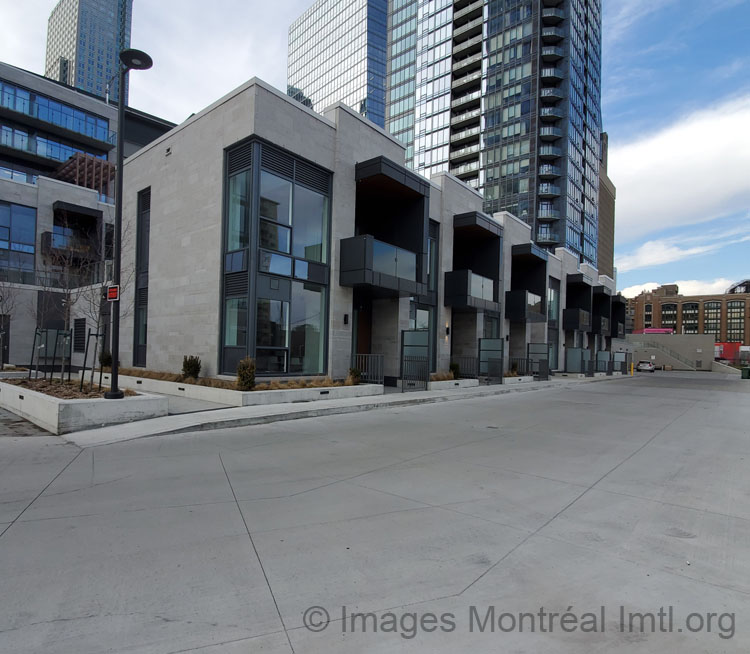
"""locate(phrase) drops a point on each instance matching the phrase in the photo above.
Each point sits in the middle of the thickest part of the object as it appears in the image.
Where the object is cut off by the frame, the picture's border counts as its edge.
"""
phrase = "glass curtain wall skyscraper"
(337, 53)
(506, 95)
(84, 39)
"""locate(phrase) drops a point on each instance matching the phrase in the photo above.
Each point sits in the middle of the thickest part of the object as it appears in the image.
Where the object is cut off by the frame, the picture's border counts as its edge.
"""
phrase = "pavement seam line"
(574, 500)
(69, 463)
(257, 554)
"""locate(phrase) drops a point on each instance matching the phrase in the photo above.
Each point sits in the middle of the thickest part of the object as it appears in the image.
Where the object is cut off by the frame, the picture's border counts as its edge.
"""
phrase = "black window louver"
(142, 297)
(277, 162)
(145, 200)
(312, 177)
(235, 283)
(239, 158)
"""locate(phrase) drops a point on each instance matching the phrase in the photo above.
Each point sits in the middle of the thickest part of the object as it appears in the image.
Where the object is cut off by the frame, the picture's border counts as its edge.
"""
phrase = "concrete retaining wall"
(452, 383)
(518, 380)
(240, 398)
(721, 367)
(65, 416)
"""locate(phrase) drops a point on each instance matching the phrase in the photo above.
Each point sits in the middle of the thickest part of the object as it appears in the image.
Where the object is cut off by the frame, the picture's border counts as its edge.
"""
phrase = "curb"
(230, 423)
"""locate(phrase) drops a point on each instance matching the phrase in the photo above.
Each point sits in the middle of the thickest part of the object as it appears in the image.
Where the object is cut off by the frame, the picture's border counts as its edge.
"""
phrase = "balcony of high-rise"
(551, 94)
(552, 53)
(550, 133)
(552, 16)
(551, 114)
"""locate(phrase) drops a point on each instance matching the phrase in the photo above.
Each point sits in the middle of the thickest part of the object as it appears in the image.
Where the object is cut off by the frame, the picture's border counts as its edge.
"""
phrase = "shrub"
(441, 376)
(355, 375)
(191, 366)
(246, 374)
(454, 368)
(105, 359)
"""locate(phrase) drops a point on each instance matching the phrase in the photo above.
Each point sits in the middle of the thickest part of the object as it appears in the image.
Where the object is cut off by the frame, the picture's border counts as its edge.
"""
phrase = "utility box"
(746, 373)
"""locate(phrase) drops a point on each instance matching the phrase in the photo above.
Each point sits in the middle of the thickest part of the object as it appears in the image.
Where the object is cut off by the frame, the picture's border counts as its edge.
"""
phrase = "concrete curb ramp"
(261, 415)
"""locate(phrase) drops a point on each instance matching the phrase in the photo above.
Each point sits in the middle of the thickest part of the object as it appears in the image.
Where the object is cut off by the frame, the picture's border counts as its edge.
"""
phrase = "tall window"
(712, 319)
(736, 321)
(17, 242)
(648, 315)
(690, 318)
(143, 237)
(669, 316)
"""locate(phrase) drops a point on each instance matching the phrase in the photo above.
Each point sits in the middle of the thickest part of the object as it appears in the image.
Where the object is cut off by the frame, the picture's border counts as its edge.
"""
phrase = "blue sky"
(676, 103)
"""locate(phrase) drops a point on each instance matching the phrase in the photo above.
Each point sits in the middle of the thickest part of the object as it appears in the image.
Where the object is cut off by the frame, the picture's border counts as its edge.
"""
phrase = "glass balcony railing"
(55, 113)
(388, 259)
(534, 302)
(482, 288)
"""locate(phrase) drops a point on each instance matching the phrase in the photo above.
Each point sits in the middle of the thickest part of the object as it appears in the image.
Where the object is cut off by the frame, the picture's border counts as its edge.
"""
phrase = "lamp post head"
(134, 59)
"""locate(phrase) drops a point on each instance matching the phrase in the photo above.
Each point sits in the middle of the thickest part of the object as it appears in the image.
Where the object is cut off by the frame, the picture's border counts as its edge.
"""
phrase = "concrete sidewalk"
(264, 414)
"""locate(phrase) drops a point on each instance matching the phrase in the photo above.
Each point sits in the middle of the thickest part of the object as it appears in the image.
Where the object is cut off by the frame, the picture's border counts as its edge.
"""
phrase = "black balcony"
(577, 319)
(524, 306)
(466, 290)
(619, 310)
(388, 270)
(600, 325)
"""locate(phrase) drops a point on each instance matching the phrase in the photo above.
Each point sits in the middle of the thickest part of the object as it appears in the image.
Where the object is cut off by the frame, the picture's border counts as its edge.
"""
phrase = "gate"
(491, 360)
(415, 359)
(538, 355)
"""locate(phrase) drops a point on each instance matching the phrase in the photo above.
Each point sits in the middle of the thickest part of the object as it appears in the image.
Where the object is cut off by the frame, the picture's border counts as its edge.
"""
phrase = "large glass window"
(17, 242)
(310, 223)
(275, 212)
(235, 322)
(307, 329)
(669, 316)
(237, 212)
(272, 335)
(690, 318)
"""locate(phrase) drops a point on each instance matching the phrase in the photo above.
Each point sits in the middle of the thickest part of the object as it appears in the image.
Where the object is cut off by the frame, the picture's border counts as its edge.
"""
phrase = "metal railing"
(415, 373)
(522, 366)
(370, 366)
(663, 348)
(468, 367)
(392, 260)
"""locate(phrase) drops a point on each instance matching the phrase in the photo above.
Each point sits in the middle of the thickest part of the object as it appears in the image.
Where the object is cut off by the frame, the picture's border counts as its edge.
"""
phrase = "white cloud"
(657, 253)
(201, 50)
(686, 286)
(690, 172)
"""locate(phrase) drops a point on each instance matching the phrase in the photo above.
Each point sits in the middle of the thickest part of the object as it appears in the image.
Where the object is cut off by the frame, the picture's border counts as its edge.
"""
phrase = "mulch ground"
(63, 390)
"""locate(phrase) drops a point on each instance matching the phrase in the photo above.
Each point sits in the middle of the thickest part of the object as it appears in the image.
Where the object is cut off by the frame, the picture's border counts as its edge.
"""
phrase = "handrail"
(666, 350)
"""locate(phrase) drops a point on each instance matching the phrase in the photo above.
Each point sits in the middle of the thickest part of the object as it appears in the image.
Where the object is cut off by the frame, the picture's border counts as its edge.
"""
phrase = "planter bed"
(518, 380)
(244, 398)
(64, 416)
(452, 383)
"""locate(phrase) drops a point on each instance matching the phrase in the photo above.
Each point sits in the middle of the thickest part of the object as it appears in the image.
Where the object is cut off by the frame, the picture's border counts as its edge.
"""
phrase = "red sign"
(113, 293)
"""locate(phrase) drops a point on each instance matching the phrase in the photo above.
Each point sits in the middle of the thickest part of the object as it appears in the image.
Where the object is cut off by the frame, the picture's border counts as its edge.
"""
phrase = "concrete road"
(456, 527)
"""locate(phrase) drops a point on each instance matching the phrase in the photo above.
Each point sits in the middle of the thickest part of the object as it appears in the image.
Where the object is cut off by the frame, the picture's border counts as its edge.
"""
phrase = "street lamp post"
(135, 60)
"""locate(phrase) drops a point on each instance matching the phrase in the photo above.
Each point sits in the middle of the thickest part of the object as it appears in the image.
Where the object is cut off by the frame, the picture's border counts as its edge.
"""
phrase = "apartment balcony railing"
(96, 273)
(524, 306)
(550, 133)
(466, 117)
(551, 3)
(551, 94)
(68, 248)
(549, 191)
(552, 16)
(552, 53)
(465, 169)
(550, 152)
(465, 289)
(552, 34)
(366, 261)
(547, 238)
(600, 325)
(469, 28)
(465, 135)
(70, 122)
(551, 113)
(467, 80)
(548, 215)
(577, 319)
(552, 74)
(467, 63)
(467, 100)
(468, 152)
(471, 44)
(469, 10)
(549, 171)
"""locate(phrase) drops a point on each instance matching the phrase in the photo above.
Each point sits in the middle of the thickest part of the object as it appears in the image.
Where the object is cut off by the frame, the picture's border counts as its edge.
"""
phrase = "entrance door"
(491, 359)
(363, 328)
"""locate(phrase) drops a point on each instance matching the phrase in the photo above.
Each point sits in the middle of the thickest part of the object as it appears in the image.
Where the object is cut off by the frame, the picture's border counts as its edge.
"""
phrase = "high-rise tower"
(506, 95)
(337, 53)
(84, 38)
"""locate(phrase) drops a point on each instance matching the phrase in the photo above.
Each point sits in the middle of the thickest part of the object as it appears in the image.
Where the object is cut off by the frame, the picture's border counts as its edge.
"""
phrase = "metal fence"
(370, 367)
(468, 367)
(522, 366)
(415, 373)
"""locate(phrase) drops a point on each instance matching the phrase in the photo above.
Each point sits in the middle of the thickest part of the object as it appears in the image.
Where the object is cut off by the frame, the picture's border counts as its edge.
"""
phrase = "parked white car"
(645, 366)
